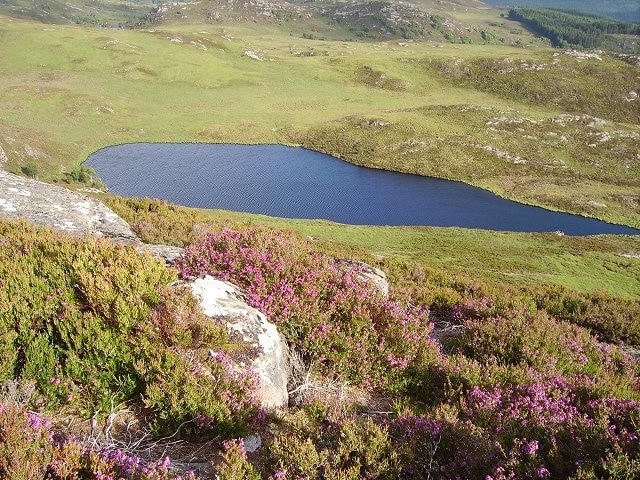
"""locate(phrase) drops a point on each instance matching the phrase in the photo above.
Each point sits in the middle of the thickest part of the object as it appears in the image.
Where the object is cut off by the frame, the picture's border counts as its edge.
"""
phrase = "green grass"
(67, 91)
(503, 259)
(587, 265)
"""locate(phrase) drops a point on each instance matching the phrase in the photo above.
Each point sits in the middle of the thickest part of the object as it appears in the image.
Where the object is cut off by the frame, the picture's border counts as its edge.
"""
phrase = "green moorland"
(108, 371)
(517, 121)
(496, 355)
(605, 263)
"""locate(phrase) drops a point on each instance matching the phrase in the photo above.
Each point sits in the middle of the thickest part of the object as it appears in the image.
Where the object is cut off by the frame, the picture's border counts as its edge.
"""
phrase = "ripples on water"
(298, 183)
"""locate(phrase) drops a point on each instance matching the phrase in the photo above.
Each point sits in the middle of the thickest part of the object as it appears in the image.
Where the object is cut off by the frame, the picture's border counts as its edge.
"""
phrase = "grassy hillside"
(490, 115)
(112, 13)
(607, 264)
(495, 355)
(451, 22)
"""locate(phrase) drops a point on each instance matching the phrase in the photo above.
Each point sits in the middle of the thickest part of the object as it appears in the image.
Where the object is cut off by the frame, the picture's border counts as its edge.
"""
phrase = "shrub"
(29, 449)
(30, 170)
(73, 307)
(234, 465)
(339, 322)
(311, 444)
(85, 175)
(613, 319)
(432, 447)
(157, 221)
(25, 443)
(93, 324)
(517, 335)
(205, 396)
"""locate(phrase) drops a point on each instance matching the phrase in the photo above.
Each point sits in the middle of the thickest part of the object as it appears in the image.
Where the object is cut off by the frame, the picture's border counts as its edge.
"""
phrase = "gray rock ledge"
(60, 208)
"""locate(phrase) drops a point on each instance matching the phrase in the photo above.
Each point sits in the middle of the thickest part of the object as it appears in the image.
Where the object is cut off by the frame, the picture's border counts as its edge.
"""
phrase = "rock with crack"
(366, 273)
(266, 355)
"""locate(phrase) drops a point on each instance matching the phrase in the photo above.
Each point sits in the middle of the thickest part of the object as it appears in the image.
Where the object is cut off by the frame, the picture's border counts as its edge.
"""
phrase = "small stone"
(252, 443)
(166, 252)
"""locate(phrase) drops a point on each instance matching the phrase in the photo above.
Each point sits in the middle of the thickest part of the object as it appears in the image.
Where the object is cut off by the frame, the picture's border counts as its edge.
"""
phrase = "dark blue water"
(297, 183)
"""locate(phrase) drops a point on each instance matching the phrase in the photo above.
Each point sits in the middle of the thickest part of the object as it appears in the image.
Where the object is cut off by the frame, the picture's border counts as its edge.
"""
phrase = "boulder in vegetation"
(366, 273)
(267, 353)
(60, 208)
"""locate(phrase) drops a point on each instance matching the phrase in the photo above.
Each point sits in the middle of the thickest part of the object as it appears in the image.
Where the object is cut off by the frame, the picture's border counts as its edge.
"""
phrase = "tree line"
(566, 28)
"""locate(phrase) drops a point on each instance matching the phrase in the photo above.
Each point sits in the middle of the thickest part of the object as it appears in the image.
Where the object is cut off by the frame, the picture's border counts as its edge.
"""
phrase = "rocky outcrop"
(63, 209)
(168, 253)
(367, 273)
(60, 208)
(266, 355)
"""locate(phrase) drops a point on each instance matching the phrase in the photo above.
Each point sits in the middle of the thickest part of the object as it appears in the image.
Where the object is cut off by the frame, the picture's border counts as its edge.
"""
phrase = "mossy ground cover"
(67, 91)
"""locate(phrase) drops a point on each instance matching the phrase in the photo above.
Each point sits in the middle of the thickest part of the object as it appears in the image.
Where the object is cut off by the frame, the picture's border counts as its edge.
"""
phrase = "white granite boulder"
(267, 356)
(70, 211)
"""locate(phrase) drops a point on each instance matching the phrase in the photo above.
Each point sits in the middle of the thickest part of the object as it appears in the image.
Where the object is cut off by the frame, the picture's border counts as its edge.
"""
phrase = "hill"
(569, 28)
(111, 13)
(491, 354)
(371, 20)
(420, 107)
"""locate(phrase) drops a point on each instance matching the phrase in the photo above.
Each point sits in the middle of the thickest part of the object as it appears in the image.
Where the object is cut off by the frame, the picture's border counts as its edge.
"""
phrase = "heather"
(93, 325)
(443, 378)
(338, 323)
(548, 384)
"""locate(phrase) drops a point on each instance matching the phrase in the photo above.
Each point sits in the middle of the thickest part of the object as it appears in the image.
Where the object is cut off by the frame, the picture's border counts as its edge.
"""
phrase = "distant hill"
(450, 21)
(112, 13)
(570, 28)
(627, 10)
(329, 19)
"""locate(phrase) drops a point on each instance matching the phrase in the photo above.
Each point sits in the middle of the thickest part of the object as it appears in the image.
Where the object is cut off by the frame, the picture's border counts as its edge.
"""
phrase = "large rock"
(267, 356)
(63, 209)
(60, 208)
(366, 273)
